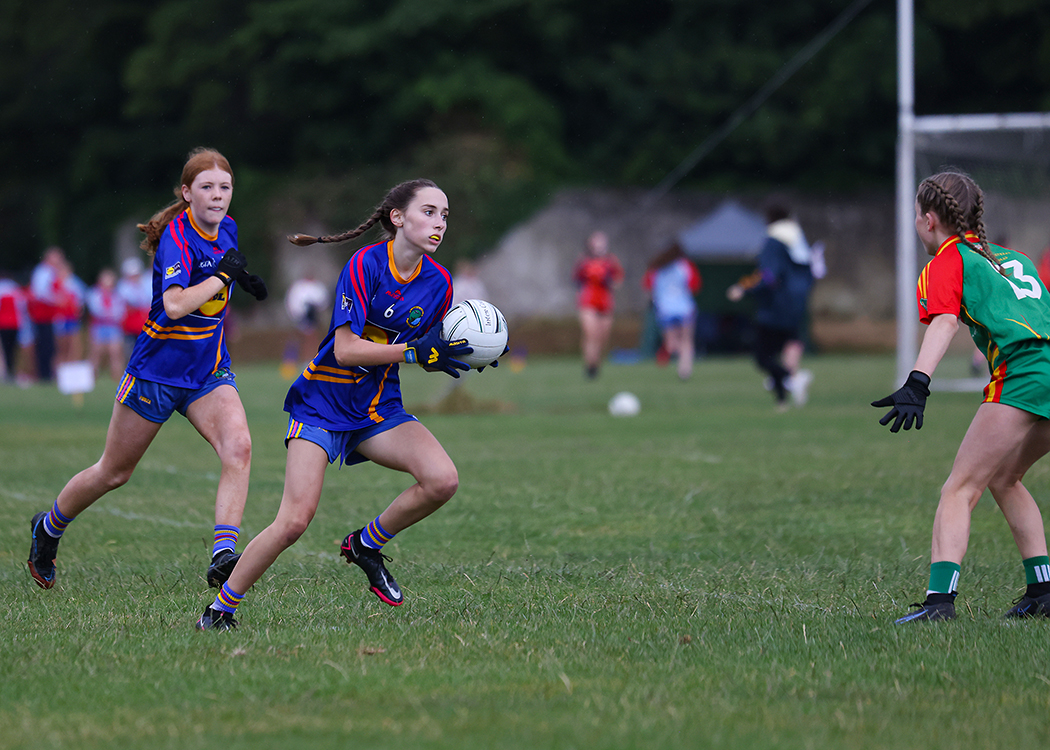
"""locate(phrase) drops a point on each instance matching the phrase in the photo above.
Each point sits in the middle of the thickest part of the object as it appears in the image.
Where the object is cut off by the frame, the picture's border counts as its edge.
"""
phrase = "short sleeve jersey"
(185, 352)
(596, 277)
(379, 305)
(1002, 311)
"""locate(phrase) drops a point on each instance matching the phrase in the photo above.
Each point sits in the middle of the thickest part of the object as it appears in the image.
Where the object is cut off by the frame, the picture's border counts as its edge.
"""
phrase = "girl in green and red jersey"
(998, 294)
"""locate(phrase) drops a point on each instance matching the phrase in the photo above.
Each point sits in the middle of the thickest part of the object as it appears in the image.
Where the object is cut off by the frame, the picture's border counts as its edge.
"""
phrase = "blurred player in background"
(781, 286)
(346, 406)
(179, 363)
(998, 294)
(672, 281)
(597, 274)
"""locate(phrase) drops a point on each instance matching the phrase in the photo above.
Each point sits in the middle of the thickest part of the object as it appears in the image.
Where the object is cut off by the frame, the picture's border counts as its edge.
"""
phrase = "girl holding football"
(998, 294)
(179, 363)
(346, 405)
(597, 274)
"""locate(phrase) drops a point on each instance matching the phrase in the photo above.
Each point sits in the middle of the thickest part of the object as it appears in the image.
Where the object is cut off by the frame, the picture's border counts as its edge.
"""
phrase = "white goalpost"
(1008, 155)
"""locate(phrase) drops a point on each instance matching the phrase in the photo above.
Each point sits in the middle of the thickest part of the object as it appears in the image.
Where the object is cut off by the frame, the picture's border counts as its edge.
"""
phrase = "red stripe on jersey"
(994, 390)
(356, 278)
(448, 294)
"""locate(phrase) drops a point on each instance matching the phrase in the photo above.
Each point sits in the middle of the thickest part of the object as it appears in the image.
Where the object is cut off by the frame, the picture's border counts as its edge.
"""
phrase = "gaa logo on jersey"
(346, 303)
(174, 270)
(415, 317)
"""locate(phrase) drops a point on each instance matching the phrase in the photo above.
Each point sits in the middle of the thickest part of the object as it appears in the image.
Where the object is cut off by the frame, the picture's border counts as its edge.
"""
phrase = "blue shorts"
(673, 321)
(66, 326)
(342, 444)
(105, 333)
(157, 402)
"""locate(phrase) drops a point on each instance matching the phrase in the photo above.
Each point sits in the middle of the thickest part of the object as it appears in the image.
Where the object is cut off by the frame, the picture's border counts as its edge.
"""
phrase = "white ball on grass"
(624, 404)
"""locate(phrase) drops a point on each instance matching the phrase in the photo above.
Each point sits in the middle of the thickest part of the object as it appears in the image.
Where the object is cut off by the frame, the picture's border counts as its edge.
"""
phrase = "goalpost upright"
(908, 128)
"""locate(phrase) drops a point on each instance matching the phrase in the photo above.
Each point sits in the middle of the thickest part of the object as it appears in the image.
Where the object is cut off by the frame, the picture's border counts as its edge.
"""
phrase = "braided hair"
(959, 203)
(398, 198)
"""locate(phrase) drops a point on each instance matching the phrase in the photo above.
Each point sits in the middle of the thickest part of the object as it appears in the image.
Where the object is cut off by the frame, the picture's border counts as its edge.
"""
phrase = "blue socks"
(375, 536)
(225, 538)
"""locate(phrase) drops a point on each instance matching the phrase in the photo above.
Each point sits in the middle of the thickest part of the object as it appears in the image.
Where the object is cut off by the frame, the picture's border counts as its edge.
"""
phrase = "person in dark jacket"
(780, 286)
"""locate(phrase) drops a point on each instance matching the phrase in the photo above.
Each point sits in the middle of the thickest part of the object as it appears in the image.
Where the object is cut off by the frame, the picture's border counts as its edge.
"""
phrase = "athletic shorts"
(1023, 381)
(66, 327)
(342, 444)
(674, 321)
(157, 402)
(105, 333)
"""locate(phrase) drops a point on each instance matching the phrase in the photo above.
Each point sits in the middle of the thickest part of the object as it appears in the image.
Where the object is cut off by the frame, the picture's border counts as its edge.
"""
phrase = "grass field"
(707, 574)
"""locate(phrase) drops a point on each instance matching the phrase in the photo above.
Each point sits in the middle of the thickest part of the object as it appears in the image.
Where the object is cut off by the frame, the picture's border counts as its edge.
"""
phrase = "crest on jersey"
(346, 303)
(415, 317)
(174, 270)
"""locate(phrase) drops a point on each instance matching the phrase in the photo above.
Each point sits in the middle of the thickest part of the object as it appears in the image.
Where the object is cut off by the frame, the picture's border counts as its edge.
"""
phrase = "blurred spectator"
(105, 316)
(466, 284)
(45, 288)
(306, 299)
(781, 286)
(597, 274)
(672, 280)
(135, 289)
(69, 344)
(13, 318)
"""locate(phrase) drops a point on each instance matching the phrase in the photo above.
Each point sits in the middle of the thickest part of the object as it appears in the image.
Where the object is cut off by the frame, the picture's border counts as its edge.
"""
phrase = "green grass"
(707, 574)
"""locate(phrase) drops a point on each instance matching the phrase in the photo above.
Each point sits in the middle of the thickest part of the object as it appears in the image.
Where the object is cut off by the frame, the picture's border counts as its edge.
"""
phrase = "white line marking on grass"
(153, 519)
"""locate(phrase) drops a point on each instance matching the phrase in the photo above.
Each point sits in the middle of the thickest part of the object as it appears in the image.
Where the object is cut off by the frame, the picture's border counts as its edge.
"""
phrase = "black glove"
(495, 362)
(252, 284)
(231, 264)
(908, 402)
(431, 352)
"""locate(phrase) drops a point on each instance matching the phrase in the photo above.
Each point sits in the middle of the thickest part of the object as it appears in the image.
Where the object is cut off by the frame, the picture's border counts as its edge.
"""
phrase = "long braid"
(398, 198)
(302, 240)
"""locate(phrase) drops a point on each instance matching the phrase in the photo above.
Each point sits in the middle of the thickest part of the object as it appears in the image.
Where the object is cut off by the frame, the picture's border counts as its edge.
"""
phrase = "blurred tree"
(497, 99)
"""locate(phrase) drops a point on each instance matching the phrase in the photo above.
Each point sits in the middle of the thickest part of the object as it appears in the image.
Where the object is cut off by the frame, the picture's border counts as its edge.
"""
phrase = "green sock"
(1037, 570)
(944, 578)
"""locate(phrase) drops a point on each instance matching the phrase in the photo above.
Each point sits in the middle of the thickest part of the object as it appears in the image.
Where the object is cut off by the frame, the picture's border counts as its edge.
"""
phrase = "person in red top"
(12, 318)
(45, 287)
(596, 274)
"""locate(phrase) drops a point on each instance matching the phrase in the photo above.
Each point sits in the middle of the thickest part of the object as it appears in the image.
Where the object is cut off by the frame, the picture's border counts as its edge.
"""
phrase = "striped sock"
(227, 600)
(1037, 575)
(55, 523)
(225, 538)
(944, 578)
(375, 536)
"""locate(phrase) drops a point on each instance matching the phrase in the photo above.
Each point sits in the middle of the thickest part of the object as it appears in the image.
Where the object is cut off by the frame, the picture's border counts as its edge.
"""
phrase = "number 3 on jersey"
(1034, 290)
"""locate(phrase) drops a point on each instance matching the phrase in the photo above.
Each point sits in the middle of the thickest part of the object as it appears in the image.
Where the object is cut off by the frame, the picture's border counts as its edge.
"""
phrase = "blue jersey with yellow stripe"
(185, 352)
(380, 305)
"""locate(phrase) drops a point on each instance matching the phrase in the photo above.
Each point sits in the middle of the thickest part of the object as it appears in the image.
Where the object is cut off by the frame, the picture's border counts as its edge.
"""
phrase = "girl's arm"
(935, 341)
(351, 350)
(181, 301)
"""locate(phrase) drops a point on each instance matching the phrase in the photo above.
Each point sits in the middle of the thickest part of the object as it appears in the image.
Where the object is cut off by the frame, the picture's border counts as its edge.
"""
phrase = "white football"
(482, 325)
(624, 404)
